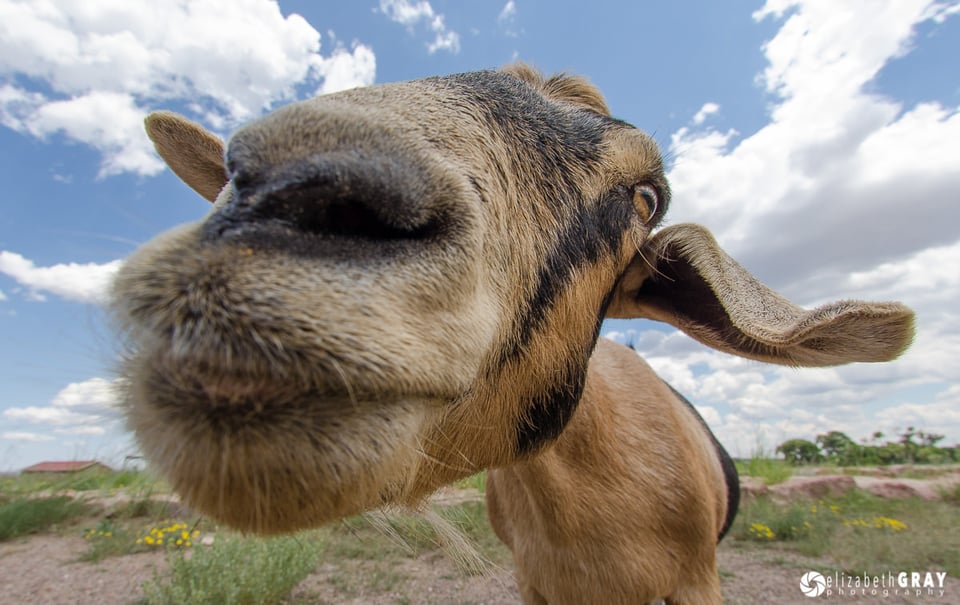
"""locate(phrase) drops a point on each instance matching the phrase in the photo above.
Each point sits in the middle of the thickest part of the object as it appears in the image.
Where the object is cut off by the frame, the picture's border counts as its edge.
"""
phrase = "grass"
(377, 537)
(951, 494)
(235, 569)
(132, 481)
(858, 531)
(765, 468)
(477, 482)
(22, 516)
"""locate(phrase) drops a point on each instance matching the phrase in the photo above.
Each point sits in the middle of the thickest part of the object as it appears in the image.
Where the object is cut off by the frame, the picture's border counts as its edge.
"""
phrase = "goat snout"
(321, 192)
(335, 195)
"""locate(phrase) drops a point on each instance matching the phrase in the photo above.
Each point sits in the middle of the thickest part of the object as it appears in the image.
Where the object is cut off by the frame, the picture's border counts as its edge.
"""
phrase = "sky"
(818, 140)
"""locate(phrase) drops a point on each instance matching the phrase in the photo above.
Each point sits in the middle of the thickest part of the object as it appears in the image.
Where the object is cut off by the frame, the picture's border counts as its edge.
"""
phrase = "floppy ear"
(682, 277)
(194, 155)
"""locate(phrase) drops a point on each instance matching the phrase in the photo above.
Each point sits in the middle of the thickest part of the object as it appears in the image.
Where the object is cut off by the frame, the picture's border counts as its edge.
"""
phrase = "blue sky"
(818, 140)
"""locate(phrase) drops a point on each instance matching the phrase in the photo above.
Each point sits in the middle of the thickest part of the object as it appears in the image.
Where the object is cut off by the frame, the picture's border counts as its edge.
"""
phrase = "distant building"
(73, 466)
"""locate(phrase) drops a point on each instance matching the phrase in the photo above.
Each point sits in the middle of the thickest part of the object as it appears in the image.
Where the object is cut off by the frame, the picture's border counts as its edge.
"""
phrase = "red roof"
(61, 467)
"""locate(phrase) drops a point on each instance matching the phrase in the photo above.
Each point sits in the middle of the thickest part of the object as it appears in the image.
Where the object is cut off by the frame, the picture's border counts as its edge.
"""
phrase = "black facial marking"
(591, 231)
(548, 412)
(730, 475)
(550, 138)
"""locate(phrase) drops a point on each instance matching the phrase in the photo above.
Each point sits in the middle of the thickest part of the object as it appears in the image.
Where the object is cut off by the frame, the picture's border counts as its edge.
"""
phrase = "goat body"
(609, 514)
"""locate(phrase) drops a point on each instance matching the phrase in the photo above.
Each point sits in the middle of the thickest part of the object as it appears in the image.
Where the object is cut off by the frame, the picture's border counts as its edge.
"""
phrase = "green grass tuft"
(477, 482)
(235, 569)
(22, 516)
(132, 481)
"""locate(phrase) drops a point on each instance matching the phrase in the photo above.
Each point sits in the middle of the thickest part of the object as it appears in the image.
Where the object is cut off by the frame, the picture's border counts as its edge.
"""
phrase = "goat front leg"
(699, 591)
(528, 594)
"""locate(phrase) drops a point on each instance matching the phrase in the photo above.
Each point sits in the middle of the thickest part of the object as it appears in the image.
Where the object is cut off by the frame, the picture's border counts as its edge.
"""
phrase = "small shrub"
(247, 571)
(951, 494)
(761, 532)
(22, 516)
(170, 535)
(107, 539)
(764, 521)
(142, 507)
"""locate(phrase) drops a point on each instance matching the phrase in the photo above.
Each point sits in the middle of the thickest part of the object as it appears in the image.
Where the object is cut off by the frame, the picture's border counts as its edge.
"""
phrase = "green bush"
(235, 570)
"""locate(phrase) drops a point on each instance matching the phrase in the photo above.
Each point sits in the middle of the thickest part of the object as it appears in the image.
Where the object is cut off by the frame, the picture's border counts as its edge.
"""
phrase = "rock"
(751, 487)
(898, 488)
(812, 487)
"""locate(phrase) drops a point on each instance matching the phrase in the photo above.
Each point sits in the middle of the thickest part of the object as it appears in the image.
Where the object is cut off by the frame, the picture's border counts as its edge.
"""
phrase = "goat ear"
(682, 277)
(194, 154)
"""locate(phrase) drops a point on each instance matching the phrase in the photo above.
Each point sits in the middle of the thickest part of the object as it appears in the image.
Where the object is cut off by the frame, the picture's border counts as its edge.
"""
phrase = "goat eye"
(646, 200)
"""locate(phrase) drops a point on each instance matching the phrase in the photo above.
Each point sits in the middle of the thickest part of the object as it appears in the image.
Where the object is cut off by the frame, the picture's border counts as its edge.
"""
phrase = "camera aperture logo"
(917, 584)
(812, 584)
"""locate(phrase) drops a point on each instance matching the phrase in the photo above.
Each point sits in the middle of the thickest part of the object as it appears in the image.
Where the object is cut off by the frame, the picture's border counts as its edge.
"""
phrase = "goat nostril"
(337, 196)
(318, 210)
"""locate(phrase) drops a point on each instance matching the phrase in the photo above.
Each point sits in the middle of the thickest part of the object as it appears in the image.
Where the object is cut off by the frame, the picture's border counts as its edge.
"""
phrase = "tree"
(800, 451)
(835, 444)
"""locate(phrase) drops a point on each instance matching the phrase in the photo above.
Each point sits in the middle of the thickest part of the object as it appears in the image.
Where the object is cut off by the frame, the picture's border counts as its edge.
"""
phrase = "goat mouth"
(199, 388)
(270, 458)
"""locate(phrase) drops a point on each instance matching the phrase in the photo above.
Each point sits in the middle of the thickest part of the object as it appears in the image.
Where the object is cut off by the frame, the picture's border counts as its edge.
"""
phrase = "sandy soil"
(43, 570)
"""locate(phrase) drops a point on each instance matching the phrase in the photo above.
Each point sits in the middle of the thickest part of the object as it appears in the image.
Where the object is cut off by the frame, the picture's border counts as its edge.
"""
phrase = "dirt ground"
(43, 570)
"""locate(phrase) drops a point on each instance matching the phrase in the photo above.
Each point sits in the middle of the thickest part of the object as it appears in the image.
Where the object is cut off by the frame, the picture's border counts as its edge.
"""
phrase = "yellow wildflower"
(762, 531)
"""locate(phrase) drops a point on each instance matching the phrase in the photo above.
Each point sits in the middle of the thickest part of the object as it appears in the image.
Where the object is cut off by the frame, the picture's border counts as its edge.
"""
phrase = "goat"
(401, 285)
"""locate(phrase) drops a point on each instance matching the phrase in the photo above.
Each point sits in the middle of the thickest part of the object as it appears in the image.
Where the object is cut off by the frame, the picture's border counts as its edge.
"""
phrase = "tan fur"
(685, 279)
(194, 155)
(641, 529)
(303, 354)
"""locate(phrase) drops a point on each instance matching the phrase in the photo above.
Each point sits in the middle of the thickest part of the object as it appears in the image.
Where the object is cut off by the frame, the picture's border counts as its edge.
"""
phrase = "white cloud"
(25, 436)
(54, 416)
(82, 430)
(838, 168)
(96, 68)
(80, 408)
(406, 12)
(507, 20)
(705, 112)
(96, 394)
(410, 14)
(844, 193)
(343, 69)
(86, 282)
(508, 13)
(110, 122)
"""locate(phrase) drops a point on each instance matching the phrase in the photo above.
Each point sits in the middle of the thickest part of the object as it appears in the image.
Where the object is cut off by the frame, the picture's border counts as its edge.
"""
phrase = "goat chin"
(282, 468)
